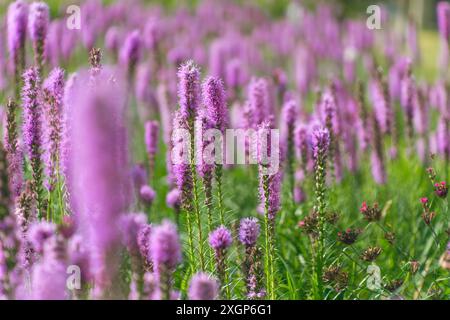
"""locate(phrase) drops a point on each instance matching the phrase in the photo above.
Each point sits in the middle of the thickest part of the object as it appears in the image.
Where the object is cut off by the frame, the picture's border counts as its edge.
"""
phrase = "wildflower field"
(235, 150)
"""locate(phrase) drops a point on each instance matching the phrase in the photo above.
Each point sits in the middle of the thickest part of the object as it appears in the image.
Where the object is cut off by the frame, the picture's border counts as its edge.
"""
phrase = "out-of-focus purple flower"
(131, 51)
(188, 90)
(147, 194)
(220, 238)
(443, 19)
(39, 233)
(235, 73)
(151, 137)
(112, 39)
(249, 231)
(320, 141)
(17, 28)
(165, 246)
(259, 106)
(78, 254)
(143, 241)
(203, 287)
(173, 199)
(98, 171)
(38, 22)
(130, 225)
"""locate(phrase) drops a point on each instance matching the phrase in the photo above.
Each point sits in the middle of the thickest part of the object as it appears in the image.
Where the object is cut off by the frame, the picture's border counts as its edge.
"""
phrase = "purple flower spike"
(173, 199)
(147, 194)
(17, 27)
(188, 90)
(249, 231)
(151, 137)
(203, 287)
(220, 238)
(165, 246)
(214, 100)
(132, 50)
(443, 18)
(320, 141)
(38, 21)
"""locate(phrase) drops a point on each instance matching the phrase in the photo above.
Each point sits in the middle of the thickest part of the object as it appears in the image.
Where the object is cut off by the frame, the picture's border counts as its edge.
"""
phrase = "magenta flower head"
(443, 19)
(131, 51)
(17, 27)
(249, 231)
(320, 141)
(203, 287)
(259, 101)
(165, 246)
(151, 137)
(39, 18)
(130, 226)
(441, 189)
(147, 194)
(214, 101)
(188, 90)
(220, 238)
(173, 199)
(39, 233)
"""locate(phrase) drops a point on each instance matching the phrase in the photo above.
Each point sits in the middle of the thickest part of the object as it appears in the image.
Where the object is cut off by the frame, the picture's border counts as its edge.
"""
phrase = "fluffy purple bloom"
(17, 27)
(112, 39)
(165, 246)
(188, 90)
(259, 101)
(220, 238)
(235, 74)
(38, 21)
(49, 277)
(203, 287)
(143, 241)
(320, 141)
(132, 50)
(173, 198)
(151, 137)
(249, 231)
(147, 194)
(214, 101)
(130, 226)
(39, 233)
(443, 19)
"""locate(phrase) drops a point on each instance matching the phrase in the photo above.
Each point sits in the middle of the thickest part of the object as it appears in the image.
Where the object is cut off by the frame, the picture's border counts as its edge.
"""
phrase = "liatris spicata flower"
(99, 169)
(443, 19)
(147, 194)
(269, 191)
(216, 115)
(259, 101)
(49, 277)
(408, 95)
(143, 241)
(17, 30)
(38, 22)
(301, 146)
(166, 254)
(32, 131)
(173, 199)
(379, 94)
(248, 235)
(112, 40)
(320, 143)
(203, 287)
(39, 233)
(289, 117)
(53, 90)
(130, 226)
(220, 240)
(131, 51)
(14, 153)
(330, 110)
(189, 99)
(189, 92)
(151, 143)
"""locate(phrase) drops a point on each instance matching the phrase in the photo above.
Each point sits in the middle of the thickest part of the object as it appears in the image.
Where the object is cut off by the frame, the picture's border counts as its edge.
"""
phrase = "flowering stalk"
(289, 117)
(38, 25)
(32, 131)
(189, 91)
(270, 197)
(166, 254)
(377, 156)
(321, 143)
(248, 235)
(151, 143)
(220, 240)
(5, 199)
(13, 152)
(53, 96)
